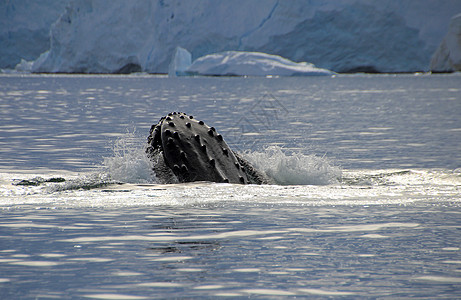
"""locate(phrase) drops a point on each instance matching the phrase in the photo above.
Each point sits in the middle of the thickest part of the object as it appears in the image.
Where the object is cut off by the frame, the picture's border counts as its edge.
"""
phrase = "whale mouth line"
(186, 149)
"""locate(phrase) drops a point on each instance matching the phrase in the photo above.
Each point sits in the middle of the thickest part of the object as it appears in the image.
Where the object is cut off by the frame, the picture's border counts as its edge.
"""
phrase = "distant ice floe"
(447, 58)
(241, 63)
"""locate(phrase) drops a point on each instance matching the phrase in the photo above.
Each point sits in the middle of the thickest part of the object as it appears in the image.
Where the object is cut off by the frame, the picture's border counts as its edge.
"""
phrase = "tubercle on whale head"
(194, 151)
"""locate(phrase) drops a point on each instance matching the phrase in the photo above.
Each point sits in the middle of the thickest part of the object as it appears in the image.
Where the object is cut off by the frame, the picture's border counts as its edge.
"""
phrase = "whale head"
(195, 151)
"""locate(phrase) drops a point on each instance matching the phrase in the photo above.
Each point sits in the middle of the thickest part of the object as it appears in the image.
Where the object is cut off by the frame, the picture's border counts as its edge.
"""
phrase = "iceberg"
(24, 66)
(447, 58)
(240, 63)
(182, 59)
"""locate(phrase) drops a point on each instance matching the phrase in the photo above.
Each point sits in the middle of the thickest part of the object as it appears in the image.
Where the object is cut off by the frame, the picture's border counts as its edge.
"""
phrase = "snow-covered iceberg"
(447, 58)
(240, 63)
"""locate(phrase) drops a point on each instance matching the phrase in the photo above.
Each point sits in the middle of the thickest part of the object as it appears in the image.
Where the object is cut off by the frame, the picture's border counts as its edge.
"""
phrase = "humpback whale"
(187, 149)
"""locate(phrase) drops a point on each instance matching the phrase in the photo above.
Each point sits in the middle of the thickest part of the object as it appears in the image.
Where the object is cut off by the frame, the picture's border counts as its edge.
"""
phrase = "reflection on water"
(259, 250)
(68, 122)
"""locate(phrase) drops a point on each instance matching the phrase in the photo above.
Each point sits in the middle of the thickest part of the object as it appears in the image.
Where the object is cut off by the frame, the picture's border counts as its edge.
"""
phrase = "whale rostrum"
(193, 151)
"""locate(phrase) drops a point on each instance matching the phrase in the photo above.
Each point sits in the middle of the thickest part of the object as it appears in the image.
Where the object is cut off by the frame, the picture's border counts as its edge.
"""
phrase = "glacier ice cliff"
(25, 29)
(447, 58)
(118, 36)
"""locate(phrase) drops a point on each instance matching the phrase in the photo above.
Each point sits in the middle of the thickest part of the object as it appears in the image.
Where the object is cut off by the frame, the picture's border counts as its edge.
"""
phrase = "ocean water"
(367, 200)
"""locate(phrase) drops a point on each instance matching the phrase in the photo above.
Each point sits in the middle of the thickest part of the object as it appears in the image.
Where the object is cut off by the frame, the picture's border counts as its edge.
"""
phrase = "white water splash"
(294, 169)
(129, 162)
